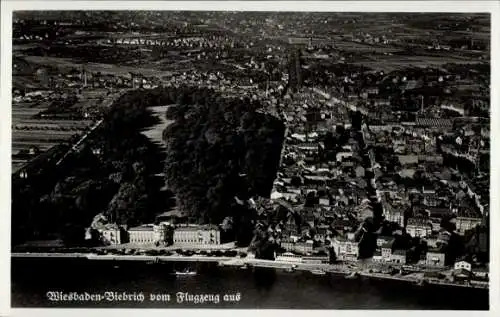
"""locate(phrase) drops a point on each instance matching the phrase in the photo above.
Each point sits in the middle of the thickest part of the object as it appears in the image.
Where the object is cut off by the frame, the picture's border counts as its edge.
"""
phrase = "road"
(90, 256)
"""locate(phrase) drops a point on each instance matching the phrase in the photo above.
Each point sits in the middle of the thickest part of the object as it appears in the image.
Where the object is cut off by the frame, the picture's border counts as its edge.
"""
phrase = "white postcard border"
(339, 6)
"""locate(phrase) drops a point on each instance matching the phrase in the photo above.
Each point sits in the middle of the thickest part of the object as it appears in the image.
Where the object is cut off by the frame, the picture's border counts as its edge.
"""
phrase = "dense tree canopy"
(219, 149)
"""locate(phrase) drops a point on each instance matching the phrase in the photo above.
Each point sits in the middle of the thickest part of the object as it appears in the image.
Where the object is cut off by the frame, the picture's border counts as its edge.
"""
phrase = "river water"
(33, 278)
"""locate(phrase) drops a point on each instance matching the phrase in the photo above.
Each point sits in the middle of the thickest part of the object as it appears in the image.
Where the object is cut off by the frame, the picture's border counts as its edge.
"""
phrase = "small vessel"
(244, 267)
(318, 272)
(186, 272)
(290, 269)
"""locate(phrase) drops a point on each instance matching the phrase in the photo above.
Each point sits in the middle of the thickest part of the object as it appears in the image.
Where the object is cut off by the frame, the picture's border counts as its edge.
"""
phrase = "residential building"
(435, 224)
(387, 251)
(304, 247)
(382, 240)
(288, 245)
(110, 234)
(432, 240)
(321, 233)
(364, 210)
(324, 201)
(408, 159)
(482, 272)
(466, 223)
(197, 235)
(435, 258)
(291, 225)
(435, 212)
(419, 227)
(377, 257)
(463, 265)
(345, 250)
(360, 171)
(398, 257)
(394, 215)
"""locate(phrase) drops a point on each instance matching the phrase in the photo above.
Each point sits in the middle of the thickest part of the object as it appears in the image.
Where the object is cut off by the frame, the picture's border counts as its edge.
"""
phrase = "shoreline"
(315, 268)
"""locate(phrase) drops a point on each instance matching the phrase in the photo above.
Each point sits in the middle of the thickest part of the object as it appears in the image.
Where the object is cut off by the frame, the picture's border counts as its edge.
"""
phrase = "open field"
(19, 115)
(51, 124)
(16, 165)
(392, 63)
(67, 63)
(26, 145)
(155, 133)
(363, 48)
(49, 135)
(29, 132)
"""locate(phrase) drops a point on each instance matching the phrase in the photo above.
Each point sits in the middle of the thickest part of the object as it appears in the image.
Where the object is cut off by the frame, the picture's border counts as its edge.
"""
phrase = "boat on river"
(185, 273)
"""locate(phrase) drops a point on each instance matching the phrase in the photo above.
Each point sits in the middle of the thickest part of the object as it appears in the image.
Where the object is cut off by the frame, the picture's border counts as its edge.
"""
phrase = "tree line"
(217, 148)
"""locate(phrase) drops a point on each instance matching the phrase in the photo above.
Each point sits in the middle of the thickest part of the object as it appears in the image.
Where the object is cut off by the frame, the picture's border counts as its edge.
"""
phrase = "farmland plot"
(392, 63)
(67, 63)
(29, 132)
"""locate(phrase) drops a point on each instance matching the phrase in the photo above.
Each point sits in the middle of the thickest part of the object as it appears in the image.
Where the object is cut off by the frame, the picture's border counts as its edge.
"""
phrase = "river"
(267, 289)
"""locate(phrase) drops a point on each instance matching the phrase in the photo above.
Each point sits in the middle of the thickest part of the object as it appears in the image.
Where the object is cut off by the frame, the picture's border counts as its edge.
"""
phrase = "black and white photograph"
(224, 158)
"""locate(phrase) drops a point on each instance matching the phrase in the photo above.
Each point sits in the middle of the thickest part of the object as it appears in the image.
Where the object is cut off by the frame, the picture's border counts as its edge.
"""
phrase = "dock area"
(342, 269)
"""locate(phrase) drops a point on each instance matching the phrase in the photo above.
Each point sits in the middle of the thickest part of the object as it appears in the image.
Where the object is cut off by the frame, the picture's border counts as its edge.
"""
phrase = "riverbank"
(32, 278)
(350, 271)
(110, 257)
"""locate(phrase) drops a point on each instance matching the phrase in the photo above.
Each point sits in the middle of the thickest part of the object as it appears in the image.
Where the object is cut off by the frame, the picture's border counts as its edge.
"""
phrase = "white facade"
(197, 236)
(142, 236)
(395, 216)
(345, 250)
(288, 245)
(419, 231)
(324, 201)
(304, 247)
(464, 223)
(434, 259)
(463, 265)
(147, 234)
(289, 257)
(386, 253)
(398, 258)
(378, 258)
(110, 235)
(384, 240)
